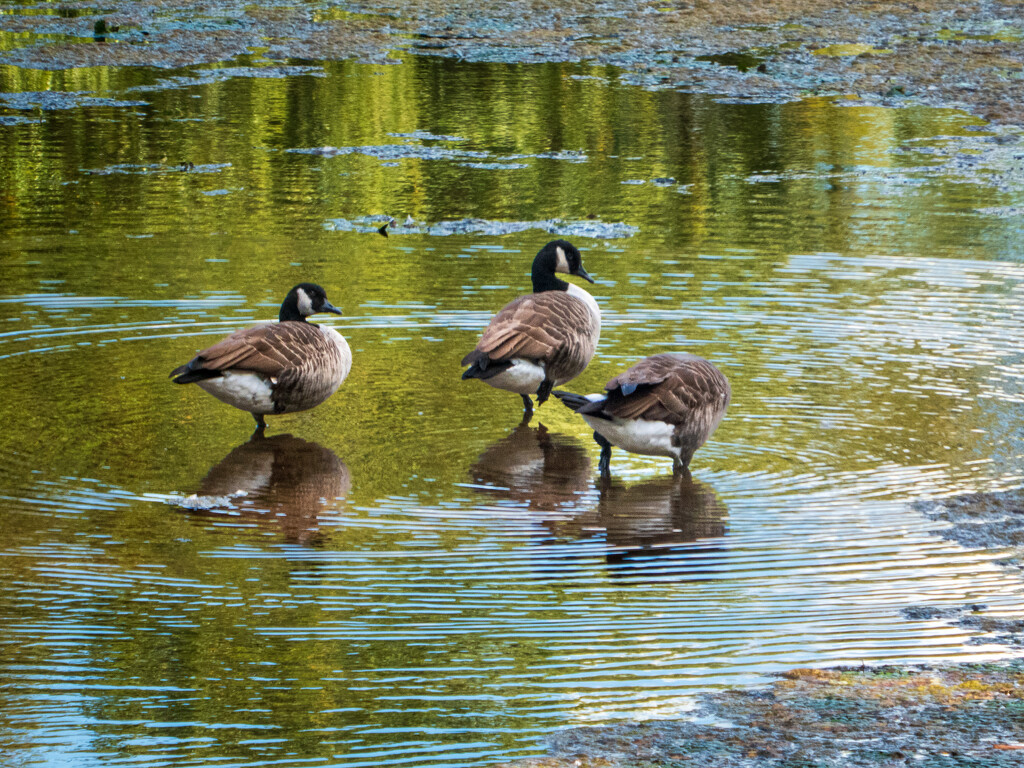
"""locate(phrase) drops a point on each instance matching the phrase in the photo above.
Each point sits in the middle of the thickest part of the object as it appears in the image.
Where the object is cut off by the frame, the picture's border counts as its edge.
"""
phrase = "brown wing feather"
(536, 326)
(267, 349)
(671, 387)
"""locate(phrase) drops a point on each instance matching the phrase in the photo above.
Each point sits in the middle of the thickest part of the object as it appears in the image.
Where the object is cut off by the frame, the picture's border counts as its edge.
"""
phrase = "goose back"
(300, 364)
(555, 328)
(674, 388)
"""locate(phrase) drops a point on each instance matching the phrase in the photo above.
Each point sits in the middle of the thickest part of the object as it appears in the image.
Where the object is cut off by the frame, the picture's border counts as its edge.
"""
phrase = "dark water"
(402, 576)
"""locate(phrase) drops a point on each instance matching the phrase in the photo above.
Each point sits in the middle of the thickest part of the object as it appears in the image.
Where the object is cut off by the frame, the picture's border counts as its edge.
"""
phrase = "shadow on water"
(280, 484)
(636, 523)
(548, 472)
(666, 525)
(660, 514)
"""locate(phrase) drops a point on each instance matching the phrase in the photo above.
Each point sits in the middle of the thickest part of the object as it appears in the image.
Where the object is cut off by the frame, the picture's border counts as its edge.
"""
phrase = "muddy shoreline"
(958, 715)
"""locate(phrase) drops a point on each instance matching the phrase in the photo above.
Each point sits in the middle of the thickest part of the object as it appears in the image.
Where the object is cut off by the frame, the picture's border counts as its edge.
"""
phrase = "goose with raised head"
(665, 405)
(543, 339)
(283, 367)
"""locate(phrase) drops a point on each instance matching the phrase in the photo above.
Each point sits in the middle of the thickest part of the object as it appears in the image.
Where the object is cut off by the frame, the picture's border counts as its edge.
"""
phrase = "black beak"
(328, 307)
(583, 273)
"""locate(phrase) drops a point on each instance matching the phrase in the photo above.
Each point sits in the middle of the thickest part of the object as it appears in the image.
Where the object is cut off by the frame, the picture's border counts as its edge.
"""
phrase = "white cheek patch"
(305, 303)
(562, 264)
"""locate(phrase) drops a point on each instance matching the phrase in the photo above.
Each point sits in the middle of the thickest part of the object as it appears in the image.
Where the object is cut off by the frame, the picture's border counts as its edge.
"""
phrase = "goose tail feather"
(187, 374)
(570, 400)
(483, 367)
(585, 405)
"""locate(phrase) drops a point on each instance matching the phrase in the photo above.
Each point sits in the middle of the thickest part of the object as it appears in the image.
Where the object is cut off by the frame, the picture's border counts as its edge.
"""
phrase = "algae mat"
(936, 52)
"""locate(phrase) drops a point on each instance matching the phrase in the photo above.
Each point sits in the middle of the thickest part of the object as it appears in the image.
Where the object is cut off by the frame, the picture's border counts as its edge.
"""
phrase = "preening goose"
(282, 367)
(665, 405)
(542, 339)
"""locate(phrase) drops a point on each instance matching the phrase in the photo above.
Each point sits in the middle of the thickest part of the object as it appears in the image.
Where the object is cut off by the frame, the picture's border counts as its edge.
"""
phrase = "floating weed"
(135, 169)
(589, 228)
(208, 76)
(54, 100)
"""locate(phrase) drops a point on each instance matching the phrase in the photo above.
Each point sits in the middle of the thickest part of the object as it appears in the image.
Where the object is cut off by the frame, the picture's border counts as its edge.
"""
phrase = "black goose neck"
(544, 280)
(290, 311)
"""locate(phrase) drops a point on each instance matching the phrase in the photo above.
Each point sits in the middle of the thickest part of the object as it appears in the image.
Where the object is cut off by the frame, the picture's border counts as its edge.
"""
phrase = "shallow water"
(410, 578)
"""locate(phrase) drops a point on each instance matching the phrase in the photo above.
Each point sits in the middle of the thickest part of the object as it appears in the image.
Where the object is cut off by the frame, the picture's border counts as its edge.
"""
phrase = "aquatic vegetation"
(942, 53)
(586, 228)
(54, 100)
(133, 169)
(859, 718)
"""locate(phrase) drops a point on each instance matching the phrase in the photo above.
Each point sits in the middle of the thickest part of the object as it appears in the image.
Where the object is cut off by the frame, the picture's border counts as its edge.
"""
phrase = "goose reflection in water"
(666, 517)
(279, 483)
(546, 472)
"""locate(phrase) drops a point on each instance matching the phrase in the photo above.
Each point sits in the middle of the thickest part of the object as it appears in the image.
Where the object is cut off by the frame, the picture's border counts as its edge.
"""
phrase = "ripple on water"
(221, 602)
(626, 598)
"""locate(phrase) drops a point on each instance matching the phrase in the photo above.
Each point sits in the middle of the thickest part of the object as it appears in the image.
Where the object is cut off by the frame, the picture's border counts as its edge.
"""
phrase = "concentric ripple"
(407, 575)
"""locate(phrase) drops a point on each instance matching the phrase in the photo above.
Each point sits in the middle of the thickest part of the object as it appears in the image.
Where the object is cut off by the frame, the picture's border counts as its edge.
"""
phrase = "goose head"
(303, 300)
(557, 256)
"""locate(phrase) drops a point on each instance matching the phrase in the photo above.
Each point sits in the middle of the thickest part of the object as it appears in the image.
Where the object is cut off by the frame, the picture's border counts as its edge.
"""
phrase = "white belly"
(343, 349)
(652, 438)
(523, 377)
(242, 389)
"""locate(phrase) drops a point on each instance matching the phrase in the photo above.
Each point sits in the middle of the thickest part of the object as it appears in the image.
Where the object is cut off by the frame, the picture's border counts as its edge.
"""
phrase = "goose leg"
(261, 423)
(605, 462)
(527, 409)
(544, 390)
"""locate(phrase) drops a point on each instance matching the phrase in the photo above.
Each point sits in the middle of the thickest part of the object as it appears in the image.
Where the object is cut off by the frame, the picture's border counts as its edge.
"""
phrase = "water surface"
(404, 576)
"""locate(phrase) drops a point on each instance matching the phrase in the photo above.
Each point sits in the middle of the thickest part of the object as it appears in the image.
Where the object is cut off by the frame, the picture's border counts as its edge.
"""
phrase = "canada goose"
(542, 339)
(279, 367)
(665, 405)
